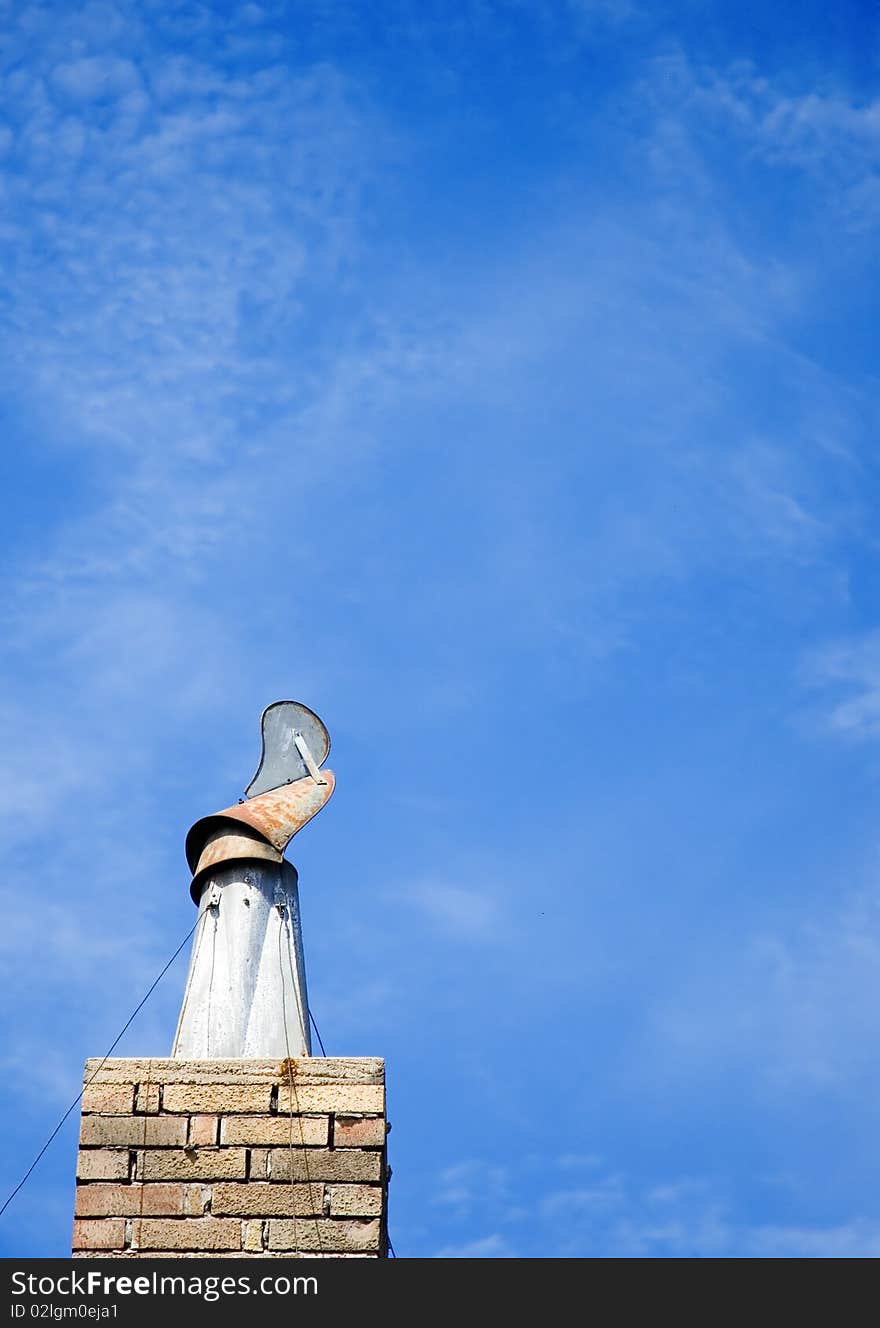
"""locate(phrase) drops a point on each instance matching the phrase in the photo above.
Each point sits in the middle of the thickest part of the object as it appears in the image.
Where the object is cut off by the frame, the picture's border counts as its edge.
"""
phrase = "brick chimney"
(245, 1158)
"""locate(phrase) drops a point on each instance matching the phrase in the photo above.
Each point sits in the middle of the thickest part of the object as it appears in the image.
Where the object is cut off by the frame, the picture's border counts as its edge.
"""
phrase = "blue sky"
(499, 379)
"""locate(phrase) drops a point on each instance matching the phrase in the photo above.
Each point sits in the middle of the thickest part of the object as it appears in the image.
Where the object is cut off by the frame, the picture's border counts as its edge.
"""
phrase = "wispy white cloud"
(96, 78)
(487, 1247)
(826, 131)
(470, 1183)
(252, 395)
(684, 1218)
(799, 1007)
(845, 676)
(575, 1161)
(207, 227)
(193, 216)
(607, 1194)
(851, 1240)
(458, 912)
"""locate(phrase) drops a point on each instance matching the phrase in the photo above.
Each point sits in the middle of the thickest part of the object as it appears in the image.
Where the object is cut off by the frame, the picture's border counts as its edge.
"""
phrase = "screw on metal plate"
(213, 900)
(280, 898)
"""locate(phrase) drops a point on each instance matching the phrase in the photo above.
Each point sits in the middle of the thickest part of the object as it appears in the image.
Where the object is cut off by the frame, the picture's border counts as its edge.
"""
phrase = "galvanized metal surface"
(246, 986)
(281, 761)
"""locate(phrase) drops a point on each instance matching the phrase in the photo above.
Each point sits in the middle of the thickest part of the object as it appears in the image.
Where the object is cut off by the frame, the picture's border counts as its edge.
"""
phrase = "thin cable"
(390, 1246)
(107, 1056)
(317, 1034)
(284, 912)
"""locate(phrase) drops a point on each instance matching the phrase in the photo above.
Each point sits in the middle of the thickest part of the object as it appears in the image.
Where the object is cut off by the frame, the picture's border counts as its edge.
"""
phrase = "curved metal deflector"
(259, 828)
(291, 732)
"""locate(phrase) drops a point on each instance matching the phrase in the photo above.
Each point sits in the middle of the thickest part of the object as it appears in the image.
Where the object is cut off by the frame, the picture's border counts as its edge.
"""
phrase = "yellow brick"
(309, 1069)
(192, 1164)
(324, 1235)
(187, 1233)
(346, 1098)
(216, 1097)
(203, 1130)
(218, 1254)
(259, 1164)
(355, 1200)
(102, 1164)
(256, 1199)
(99, 1235)
(115, 1098)
(132, 1131)
(345, 1164)
(274, 1130)
(359, 1132)
(252, 1236)
(146, 1099)
(108, 1200)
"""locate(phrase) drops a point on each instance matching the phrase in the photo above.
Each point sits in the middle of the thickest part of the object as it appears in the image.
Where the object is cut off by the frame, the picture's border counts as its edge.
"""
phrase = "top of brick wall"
(306, 1070)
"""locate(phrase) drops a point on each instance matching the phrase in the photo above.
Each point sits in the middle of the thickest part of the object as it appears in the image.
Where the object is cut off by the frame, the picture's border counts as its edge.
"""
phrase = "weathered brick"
(252, 1236)
(308, 1069)
(108, 1200)
(232, 1156)
(261, 1199)
(258, 1168)
(323, 1235)
(203, 1130)
(274, 1129)
(97, 1235)
(146, 1099)
(324, 1164)
(192, 1164)
(346, 1098)
(355, 1200)
(216, 1097)
(187, 1233)
(333, 1070)
(132, 1131)
(219, 1254)
(102, 1164)
(359, 1132)
(116, 1098)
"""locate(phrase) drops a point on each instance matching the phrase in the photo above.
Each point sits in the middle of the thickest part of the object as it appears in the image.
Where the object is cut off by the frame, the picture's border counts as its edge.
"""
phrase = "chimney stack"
(241, 1143)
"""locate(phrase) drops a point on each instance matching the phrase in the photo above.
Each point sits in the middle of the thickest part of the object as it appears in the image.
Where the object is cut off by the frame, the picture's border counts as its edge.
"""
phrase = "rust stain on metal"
(229, 842)
(257, 827)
